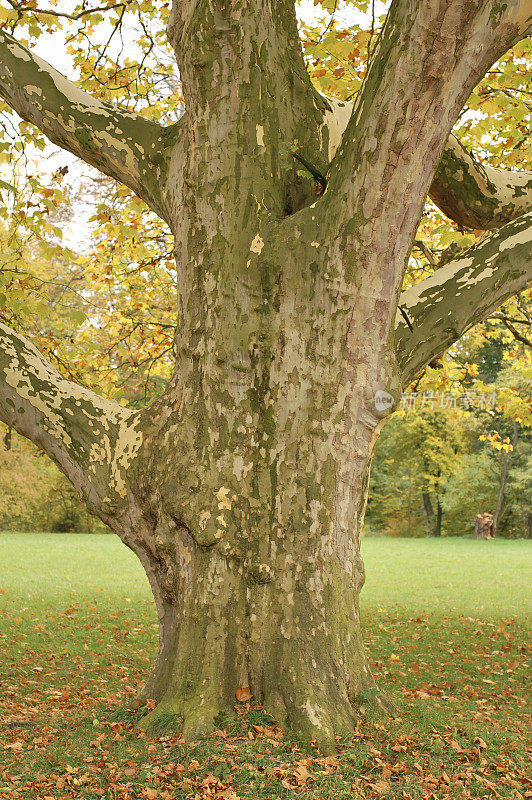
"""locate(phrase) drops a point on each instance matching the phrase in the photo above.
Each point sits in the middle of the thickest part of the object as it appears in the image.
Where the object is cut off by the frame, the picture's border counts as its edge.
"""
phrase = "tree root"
(314, 715)
(190, 718)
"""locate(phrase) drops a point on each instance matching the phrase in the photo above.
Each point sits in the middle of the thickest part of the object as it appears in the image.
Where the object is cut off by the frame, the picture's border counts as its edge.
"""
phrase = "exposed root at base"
(192, 721)
(310, 724)
(161, 721)
(388, 705)
(372, 702)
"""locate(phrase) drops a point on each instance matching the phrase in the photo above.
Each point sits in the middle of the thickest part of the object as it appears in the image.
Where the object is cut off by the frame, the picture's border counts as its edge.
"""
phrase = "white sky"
(52, 46)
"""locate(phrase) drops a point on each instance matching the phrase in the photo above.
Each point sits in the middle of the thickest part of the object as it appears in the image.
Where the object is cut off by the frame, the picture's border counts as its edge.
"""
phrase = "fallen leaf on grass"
(212, 787)
(302, 774)
(17, 747)
(380, 787)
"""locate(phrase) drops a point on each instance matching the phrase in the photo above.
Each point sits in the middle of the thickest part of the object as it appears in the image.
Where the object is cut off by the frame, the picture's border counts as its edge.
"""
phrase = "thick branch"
(469, 193)
(506, 318)
(426, 63)
(428, 59)
(477, 196)
(120, 143)
(252, 112)
(93, 440)
(444, 306)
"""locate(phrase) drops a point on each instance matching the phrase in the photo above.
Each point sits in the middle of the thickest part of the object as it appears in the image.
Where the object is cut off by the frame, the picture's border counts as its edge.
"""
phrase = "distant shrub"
(36, 496)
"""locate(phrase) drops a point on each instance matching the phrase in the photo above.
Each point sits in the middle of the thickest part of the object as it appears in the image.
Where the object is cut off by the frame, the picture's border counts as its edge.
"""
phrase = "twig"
(21, 9)
(515, 333)
(427, 252)
(406, 318)
(316, 174)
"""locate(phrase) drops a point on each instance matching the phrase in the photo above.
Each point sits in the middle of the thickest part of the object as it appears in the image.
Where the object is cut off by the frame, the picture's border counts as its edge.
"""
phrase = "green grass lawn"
(445, 622)
(485, 579)
(450, 575)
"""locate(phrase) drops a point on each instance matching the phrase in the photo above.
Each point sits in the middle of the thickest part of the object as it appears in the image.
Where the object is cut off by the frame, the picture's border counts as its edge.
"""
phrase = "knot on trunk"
(209, 530)
(260, 572)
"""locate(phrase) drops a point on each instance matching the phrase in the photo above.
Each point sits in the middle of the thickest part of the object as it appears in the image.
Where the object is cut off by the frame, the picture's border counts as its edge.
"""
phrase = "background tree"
(36, 496)
(453, 439)
(417, 454)
(242, 486)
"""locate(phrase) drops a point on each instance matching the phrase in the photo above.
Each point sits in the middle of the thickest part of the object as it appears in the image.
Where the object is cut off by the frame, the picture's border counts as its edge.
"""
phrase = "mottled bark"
(438, 310)
(478, 196)
(118, 142)
(281, 624)
(473, 195)
(89, 437)
(242, 489)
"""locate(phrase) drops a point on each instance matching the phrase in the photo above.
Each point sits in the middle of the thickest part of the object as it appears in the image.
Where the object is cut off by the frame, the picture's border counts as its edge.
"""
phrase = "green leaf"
(78, 316)
(7, 186)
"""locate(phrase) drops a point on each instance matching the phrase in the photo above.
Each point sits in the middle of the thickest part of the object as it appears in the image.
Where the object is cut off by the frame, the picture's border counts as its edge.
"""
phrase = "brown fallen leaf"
(17, 746)
(243, 694)
(301, 774)
(381, 787)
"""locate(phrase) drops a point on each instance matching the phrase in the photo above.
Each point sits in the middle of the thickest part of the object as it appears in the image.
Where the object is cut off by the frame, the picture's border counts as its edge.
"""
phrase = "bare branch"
(92, 440)
(120, 143)
(506, 318)
(513, 330)
(427, 252)
(477, 196)
(445, 305)
(522, 305)
(23, 9)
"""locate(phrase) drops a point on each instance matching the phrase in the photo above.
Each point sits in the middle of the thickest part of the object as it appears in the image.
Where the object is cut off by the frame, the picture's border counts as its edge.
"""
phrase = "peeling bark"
(477, 196)
(471, 194)
(466, 290)
(92, 440)
(118, 142)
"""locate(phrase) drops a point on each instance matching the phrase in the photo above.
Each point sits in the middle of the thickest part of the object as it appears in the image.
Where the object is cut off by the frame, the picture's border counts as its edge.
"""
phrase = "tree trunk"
(8, 438)
(247, 520)
(429, 511)
(439, 515)
(434, 519)
(410, 498)
(483, 526)
(281, 617)
(502, 482)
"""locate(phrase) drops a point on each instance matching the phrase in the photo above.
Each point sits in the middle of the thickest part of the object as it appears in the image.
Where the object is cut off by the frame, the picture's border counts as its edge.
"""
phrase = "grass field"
(445, 624)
